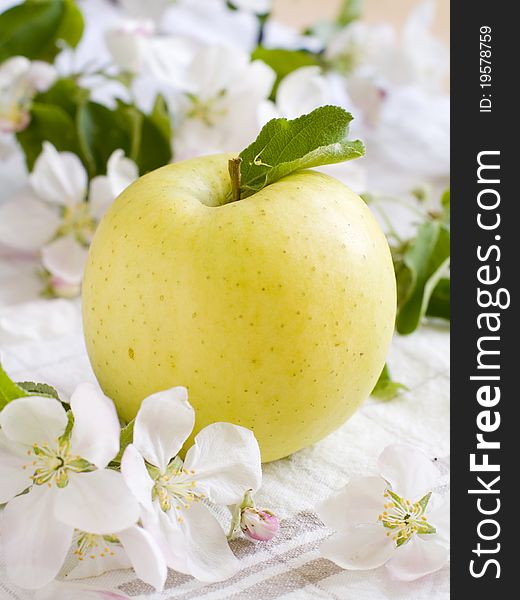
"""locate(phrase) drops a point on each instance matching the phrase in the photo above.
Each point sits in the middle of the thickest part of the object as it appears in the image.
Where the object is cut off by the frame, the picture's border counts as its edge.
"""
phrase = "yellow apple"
(276, 311)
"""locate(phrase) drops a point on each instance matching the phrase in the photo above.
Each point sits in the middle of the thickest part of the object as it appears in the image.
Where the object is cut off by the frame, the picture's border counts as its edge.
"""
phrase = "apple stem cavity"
(234, 174)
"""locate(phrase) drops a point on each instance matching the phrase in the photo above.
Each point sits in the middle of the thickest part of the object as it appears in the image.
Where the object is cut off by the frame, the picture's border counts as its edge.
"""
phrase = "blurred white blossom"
(259, 7)
(54, 216)
(220, 107)
(20, 79)
(127, 43)
(147, 9)
(376, 51)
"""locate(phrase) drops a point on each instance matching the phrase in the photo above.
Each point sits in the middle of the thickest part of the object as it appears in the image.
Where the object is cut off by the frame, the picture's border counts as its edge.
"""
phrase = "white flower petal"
(136, 476)
(41, 75)
(96, 431)
(27, 223)
(145, 555)
(66, 258)
(12, 69)
(151, 9)
(59, 590)
(416, 558)
(95, 564)
(162, 425)
(59, 177)
(302, 91)
(127, 43)
(359, 548)
(121, 172)
(33, 420)
(13, 477)
(100, 196)
(259, 7)
(439, 517)
(408, 470)
(99, 502)
(198, 546)
(226, 461)
(35, 543)
(360, 501)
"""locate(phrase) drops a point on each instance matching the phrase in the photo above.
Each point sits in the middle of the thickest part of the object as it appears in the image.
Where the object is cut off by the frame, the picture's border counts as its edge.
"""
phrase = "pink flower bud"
(259, 525)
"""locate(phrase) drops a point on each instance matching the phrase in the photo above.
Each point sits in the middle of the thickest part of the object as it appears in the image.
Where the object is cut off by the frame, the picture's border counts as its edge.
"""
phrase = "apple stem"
(234, 174)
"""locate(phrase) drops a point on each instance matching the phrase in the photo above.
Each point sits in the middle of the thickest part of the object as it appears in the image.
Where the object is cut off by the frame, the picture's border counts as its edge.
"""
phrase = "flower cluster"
(68, 495)
(178, 80)
(56, 214)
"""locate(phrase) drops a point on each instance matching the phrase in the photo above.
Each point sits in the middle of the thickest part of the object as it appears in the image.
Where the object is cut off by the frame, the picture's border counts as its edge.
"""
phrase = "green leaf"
(36, 28)
(445, 203)
(9, 390)
(440, 303)
(155, 149)
(351, 10)
(100, 132)
(160, 117)
(284, 61)
(283, 146)
(39, 389)
(425, 263)
(50, 123)
(65, 93)
(151, 135)
(385, 388)
(72, 24)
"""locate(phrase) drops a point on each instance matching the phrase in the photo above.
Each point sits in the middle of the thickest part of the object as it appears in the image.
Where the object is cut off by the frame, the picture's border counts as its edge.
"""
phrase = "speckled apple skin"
(276, 312)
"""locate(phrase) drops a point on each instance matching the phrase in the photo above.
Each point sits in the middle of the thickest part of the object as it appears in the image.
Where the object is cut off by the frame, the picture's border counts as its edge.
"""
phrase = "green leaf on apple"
(283, 146)
(38, 29)
(385, 388)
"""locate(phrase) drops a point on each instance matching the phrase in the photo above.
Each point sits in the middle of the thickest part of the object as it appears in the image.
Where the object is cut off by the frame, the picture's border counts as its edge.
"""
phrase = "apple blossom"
(131, 548)
(219, 109)
(54, 479)
(394, 519)
(54, 215)
(222, 465)
(20, 79)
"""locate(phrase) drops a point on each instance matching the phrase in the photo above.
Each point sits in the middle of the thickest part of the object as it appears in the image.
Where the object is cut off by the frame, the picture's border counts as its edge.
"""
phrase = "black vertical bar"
(485, 128)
